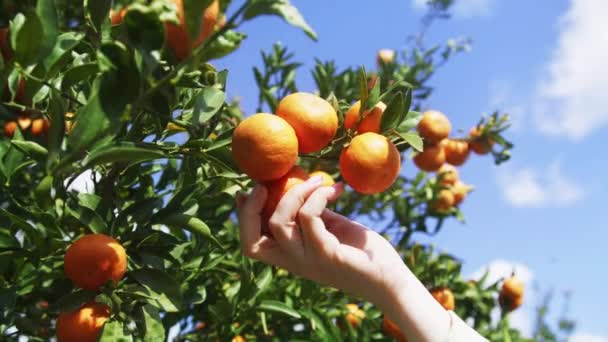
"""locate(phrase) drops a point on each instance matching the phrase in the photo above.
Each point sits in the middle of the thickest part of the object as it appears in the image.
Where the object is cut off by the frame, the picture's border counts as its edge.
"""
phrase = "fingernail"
(316, 180)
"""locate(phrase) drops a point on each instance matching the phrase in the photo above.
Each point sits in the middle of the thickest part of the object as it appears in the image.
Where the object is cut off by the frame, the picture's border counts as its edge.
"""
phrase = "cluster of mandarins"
(176, 35)
(441, 154)
(90, 262)
(266, 147)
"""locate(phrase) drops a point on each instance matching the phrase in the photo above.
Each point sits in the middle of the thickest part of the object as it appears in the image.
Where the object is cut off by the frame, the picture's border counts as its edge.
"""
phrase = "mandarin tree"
(122, 158)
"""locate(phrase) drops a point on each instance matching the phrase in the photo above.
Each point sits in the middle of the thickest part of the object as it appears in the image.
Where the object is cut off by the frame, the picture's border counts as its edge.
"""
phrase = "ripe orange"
(83, 324)
(392, 330)
(354, 315)
(93, 260)
(385, 56)
(117, 17)
(431, 159)
(238, 338)
(370, 164)
(445, 297)
(278, 188)
(9, 128)
(513, 287)
(69, 122)
(327, 179)
(443, 202)
(177, 36)
(314, 120)
(24, 122)
(265, 147)
(40, 126)
(434, 126)
(5, 48)
(456, 151)
(370, 121)
(510, 303)
(447, 174)
(200, 326)
(480, 145)
(460, 191)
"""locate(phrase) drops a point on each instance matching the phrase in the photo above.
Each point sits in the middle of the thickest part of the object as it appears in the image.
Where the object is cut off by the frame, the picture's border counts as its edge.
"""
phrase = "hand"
(318, 244)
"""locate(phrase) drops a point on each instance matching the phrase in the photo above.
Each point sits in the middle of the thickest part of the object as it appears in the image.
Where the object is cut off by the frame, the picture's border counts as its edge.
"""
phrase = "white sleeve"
(461, 332)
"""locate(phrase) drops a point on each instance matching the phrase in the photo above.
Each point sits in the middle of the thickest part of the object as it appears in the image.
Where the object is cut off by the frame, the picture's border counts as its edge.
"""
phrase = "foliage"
(152, 135)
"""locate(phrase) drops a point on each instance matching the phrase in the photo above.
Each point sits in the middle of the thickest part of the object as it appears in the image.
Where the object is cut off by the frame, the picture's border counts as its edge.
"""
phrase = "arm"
(318, 244)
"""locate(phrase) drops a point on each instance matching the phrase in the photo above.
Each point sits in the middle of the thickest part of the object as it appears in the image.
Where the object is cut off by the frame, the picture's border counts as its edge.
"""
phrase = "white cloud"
(529, 187)
(571, 100)
(587, 338)
(520, 319)
(464, 8)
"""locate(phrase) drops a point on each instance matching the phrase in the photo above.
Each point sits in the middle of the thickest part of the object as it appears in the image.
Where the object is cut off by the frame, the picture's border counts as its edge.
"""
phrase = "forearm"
(410, 305)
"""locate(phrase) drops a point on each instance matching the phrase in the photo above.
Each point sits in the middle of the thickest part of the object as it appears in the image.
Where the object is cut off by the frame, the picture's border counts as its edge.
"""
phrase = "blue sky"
(544, 62)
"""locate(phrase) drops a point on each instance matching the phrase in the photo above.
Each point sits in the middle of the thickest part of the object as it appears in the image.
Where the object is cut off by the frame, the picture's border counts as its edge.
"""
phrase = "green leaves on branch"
(97, 11)
(281, 8)
(144, 28)
(124, 152)
(190, 223)
(34, 33)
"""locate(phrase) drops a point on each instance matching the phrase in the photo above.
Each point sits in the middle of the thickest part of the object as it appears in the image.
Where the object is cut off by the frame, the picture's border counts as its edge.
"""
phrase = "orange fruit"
(238, 338)
(385, 56)
(480, 145)
(443, 202)
(456, 151)
(117, 17)
(24, 122)
(434, 126)
(327, 178)
(510, 303)
(200, 326)
(265, 147)
(177, 36)
(392, 330)
(447, 174)
(430, 159)
(83, 324)
(354, 315)
(445, 297)
(93, 260)
(370, 164)
(9, 128)
(5, 48)
(314, 120)
(40, 126)
(69, 122)
(278, 188)
(460, 191)
(370, 121)
(513, 287)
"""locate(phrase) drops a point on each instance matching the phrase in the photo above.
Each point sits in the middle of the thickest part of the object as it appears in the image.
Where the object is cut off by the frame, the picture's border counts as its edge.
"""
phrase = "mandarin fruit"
(445, 297)
(354, 315)
(456, 151)
(177, 36)
(314, 120)
(9, 128)
(327, 178)
(83, 324)
(278, 188)
(434, 126)
(40, 126)
(443, 202)
(430, 159)
(460, 191)
(370, 121)
(480, 145)
(370, 164)
(93, 260)
(385, 56)
(265, 147)
(447, 174)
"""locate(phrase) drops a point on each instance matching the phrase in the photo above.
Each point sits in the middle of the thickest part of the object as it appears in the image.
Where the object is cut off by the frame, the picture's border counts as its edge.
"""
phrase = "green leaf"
(26, 31)
(413, 139)
(220, 47)
(168, 290)
(123, 152)
(207, 103)
(57, 107)
(114, 331)
(31, 232)
(276, 306)
(153, 329)
(31, 148)
(96, 11)
(7, 240)
(88, 218)
(73, 300)
(363, 92)
(190, 223)
(144, 28)
(60, 54)
(392, 114)
(281, 8)
(193, 17)
(8, 300)
(42, 193)
(49, 23)
(78, 73)
(411, 120)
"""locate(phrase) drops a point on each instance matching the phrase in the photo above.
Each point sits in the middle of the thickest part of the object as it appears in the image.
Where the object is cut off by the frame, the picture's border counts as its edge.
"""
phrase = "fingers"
(316, 236)
(282, 222)
(249, 209)
(346, 231)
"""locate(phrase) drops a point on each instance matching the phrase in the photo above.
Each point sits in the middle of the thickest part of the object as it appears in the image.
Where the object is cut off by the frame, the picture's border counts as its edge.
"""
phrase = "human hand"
(317, 244)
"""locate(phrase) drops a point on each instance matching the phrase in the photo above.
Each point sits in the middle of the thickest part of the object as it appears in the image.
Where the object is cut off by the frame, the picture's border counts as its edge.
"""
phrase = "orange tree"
(125, 94)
